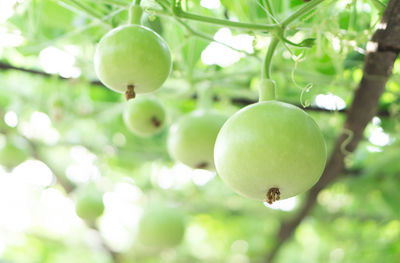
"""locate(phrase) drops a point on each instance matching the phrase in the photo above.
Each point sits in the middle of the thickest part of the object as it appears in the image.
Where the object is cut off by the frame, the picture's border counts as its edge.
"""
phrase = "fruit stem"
(266, 70)
(204, 99)
(130, 92)
(135, 13)
(266, 90)
(273, 195)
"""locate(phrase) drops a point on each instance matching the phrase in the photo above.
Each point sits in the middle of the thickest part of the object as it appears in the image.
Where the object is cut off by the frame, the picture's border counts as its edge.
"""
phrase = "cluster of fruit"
(265, 146)
(159, 228)
(266, 151)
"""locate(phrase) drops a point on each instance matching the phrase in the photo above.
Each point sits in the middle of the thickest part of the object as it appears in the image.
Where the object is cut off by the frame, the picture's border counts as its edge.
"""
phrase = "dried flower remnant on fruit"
(202, 165)
(254, 167)
(131, 48)
(273, 195)
(155, 121)
(130, 92)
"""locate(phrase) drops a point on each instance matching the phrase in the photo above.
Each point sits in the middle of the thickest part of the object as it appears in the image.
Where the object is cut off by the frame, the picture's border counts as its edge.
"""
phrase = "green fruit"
(191, 140)
(132, 56)
(161, 228)
(270, 148)
(11, 154)
(144, 116)
(57, 108)
(89, 203)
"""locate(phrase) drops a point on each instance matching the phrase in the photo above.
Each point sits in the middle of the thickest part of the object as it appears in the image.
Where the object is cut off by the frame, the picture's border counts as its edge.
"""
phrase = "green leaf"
(307, 43)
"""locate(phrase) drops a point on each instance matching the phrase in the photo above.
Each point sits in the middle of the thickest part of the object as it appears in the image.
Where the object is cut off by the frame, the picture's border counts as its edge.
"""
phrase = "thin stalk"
(266, 71)
(157, 11)
(84, 8)
(163, 4)
(202, 35)
(270, 11)
(211, 39)
(268, 6)
(178, 12)
(353, 16)
(302, 11)
(77, 31)
(119, 3)
(223, 22)
(164, 12)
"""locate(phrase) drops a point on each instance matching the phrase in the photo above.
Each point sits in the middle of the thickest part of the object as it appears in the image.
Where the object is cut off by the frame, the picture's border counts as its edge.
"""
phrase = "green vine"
(302, 11)
(267, 86)
(84, 8)
(277, 29)
(120, 3)
(268, 8)
(199, 34)
(178, 12)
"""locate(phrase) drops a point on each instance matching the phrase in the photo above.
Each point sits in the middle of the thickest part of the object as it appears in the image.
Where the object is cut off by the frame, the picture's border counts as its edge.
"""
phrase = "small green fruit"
(11, 154)
(132, 57)
(57, 108)
(89, 203)
(144, 116)
(270, 150)
(191, 140)
(161, 228)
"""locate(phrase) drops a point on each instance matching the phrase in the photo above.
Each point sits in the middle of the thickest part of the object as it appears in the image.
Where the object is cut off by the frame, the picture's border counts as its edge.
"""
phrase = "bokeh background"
(61, 130)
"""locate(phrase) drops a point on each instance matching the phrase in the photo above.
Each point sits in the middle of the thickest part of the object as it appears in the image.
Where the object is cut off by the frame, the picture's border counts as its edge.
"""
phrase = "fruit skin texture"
(89, 204)
(161, 228)
(132, 55)
(270, 144)
(144, 116)
(191, 140)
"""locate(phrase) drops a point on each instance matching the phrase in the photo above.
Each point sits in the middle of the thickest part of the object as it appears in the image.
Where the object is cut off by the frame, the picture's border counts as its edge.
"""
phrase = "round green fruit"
(57, 108)
(132, 58)
(191, 140)
(11, 154)
(144, 116)
(89, 204)
(161, 228)
(270, 151)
